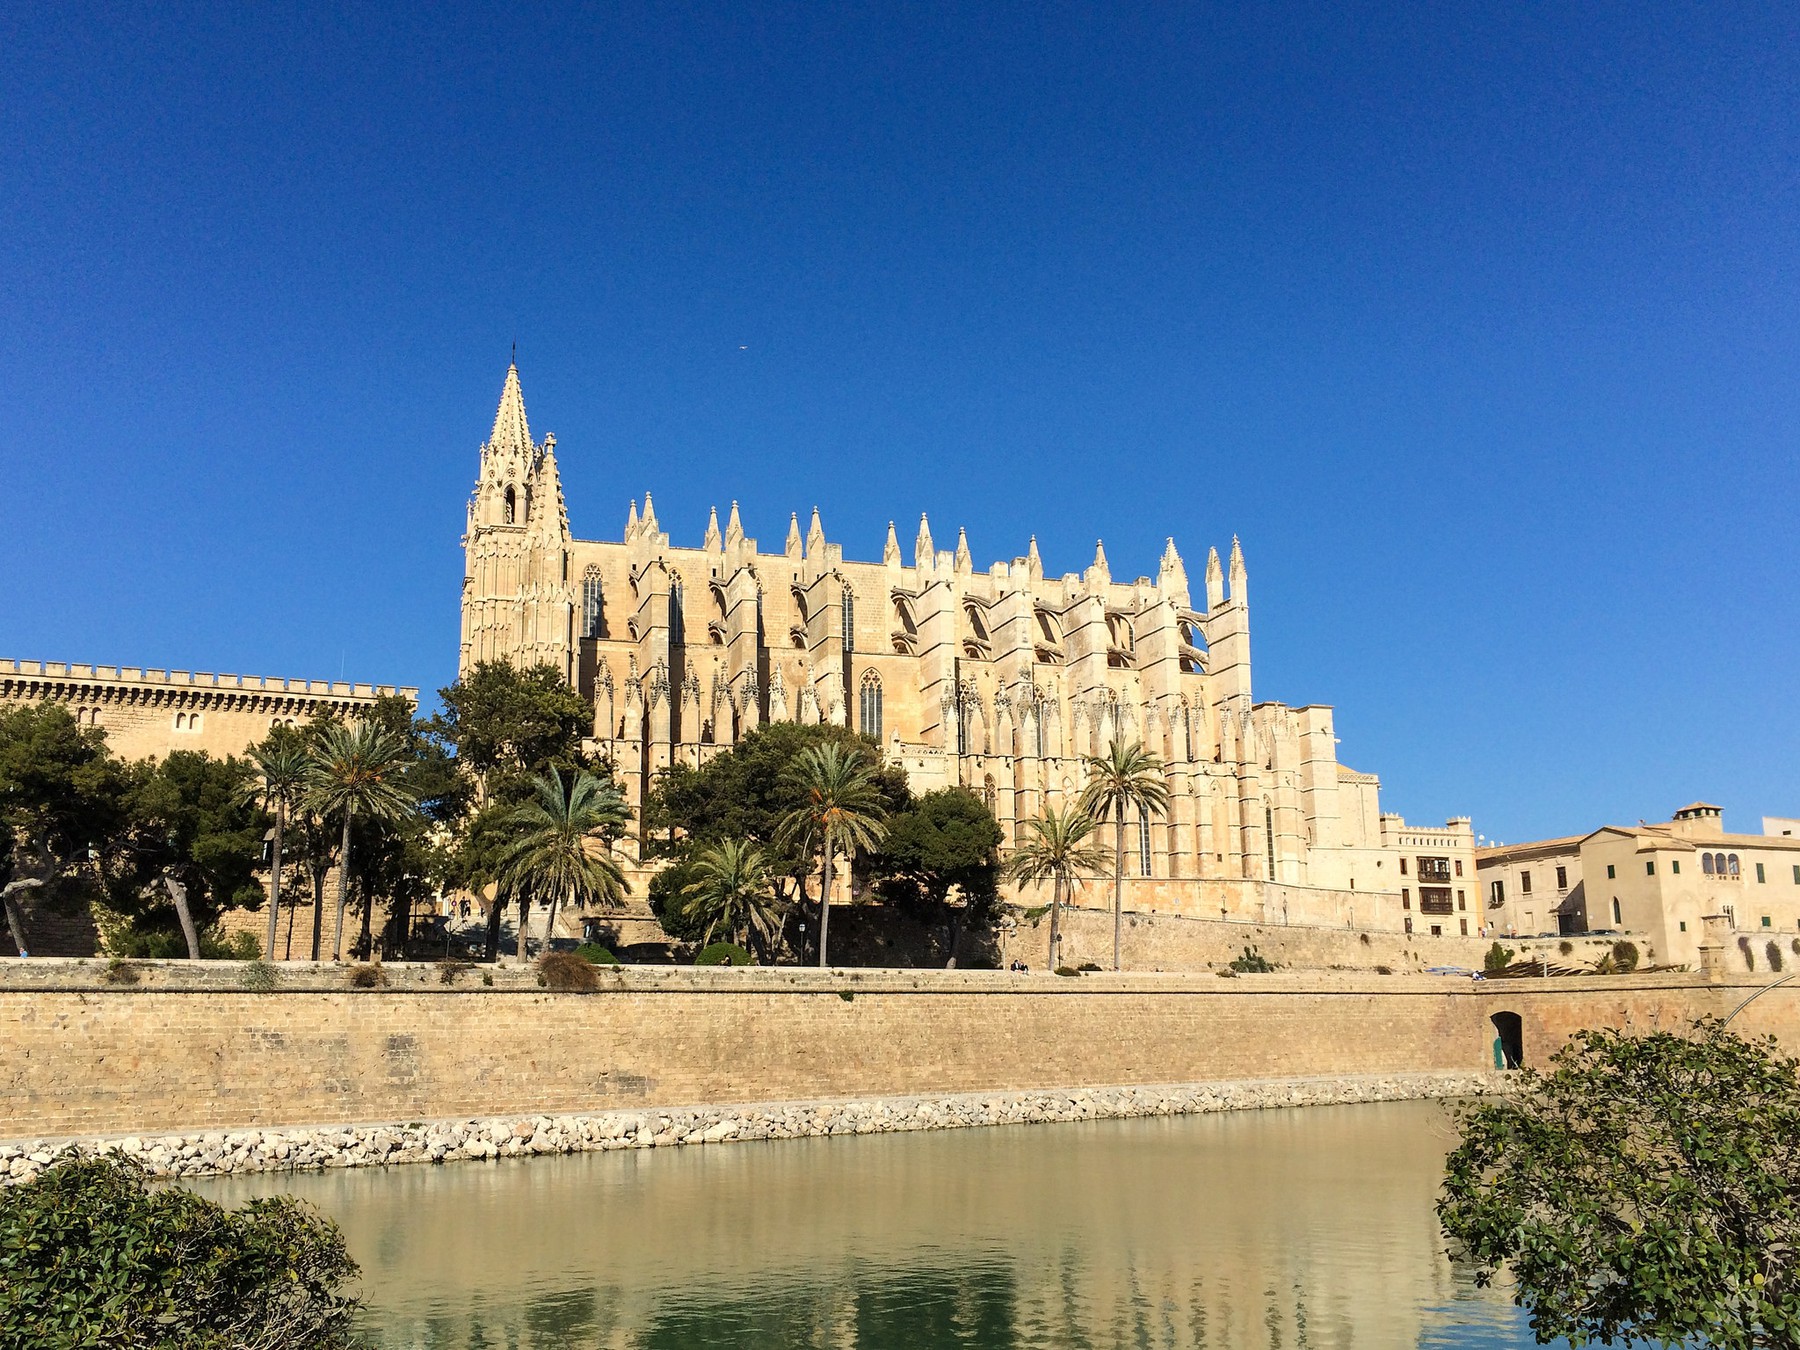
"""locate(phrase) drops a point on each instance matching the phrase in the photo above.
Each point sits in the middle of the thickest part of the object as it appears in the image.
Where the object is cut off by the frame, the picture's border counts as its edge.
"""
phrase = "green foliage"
(724, 954)
(61, 789)
(1498, 958)
(946, 839)
(1625, 955)
(567, 973)
(1067, 970)
(670, 906)
(144, 942)
(1646, 1186)
(595, 954)
(1252, 962)
(1088, 965)
(259, 977)
(1772, 950)
(92, 1255)
(367, 977)
(450, 971)
(120, 971)
(509, 725)
(731, 892)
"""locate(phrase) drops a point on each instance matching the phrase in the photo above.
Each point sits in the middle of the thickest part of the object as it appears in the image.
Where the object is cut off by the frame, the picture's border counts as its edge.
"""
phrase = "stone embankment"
(295, 1149)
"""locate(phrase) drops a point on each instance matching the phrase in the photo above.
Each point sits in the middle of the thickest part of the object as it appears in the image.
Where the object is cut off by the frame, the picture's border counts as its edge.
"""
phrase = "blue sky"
(1481, 326)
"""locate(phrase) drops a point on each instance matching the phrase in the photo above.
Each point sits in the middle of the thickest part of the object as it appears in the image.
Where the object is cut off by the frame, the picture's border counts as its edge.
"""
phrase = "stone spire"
(815, 537)
(1099, 574)
(923, 552)
(712, 543)
(631, 522)
(964, 561)
(1240, 579)
(1171, 574)
(511, 430)
(1034, 562)
(1215, 581)
(734, 529)
(649, 515)
(890, 552)
(793, 536)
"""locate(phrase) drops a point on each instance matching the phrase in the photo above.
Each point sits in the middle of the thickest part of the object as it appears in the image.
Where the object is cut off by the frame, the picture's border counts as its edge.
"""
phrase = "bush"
(367, 977)
(1384, 970)
(1067, 970)
(448, 971)
(567, 973)
(1565, 947)
(1088, 965)
(167, 944)
(595, 953)
(1252, 962)
(259, 977)
(91, 1255)
(1773, 952)
(1625, 956)
(1498, 959)
(724, 954)
(121, 971)
(1749, 953)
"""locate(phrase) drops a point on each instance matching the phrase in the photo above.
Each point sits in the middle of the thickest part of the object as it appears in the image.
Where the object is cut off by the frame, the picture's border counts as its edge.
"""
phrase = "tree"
(509, 725)
(1645, 1187)
(563, 848)
(92, 1253)
(61, 795)
(1126, 779)
(1057, 850)
(731, 891)
(946, 840)
(841, 810)
(359, 769)
(278, 778)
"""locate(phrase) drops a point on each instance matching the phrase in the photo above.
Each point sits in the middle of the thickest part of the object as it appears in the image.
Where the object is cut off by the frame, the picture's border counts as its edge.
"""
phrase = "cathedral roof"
(511, 430)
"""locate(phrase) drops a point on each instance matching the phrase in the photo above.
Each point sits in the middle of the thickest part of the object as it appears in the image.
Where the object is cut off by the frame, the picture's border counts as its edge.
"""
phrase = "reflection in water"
(1269, 1229)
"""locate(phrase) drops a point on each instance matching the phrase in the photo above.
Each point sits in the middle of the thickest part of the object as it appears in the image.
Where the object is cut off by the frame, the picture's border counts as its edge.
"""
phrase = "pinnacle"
(511, 430)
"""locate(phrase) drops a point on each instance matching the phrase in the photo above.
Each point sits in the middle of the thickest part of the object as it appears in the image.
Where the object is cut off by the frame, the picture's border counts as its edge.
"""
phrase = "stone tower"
(518, 602)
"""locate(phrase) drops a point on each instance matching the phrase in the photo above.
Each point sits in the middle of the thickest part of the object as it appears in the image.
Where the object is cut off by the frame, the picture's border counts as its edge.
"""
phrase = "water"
(1267, 1229)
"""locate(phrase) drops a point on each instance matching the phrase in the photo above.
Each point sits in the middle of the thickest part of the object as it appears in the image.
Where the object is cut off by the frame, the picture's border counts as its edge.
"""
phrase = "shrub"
(595, 953)
(848, 995)
(1625, 955)
(1794, 946)
(1565, 947)
(121, 971)
(259, 977)
(90, 1254)
(724, 954)
(1067, 970)
(567, 973)
(449, 971)
(487, 977)
(1384, 970)
(367, 977)
(1773, 952)
(1088, 965)
(1498, 959)
(160, 944)
(1252, 962)
(1364, 939)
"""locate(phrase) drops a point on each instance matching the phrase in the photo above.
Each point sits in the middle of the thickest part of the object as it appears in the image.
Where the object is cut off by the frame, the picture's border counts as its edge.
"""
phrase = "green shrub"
(90, 1254)
(567, 973)
(848, 995)
(1565, 947)
(121, 971)
(724, 954)
(1067, 970)
(1773, 951)
(1252, 962)
(258, 976)
(367, 977)
(1384, 970)
(1088, 965)
(1624, 955)
(595, 953)
(1498, 959)
(487, 977)
(449, 971)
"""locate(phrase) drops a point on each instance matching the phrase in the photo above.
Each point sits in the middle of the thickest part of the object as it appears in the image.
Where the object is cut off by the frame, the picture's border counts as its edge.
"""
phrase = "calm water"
(1309, 1228)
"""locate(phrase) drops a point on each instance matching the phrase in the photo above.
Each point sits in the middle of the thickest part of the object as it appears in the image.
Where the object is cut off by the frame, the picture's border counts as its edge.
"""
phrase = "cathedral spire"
(1171, 574)
(1215, 581)
(649, 516)
(793, 535)
(734, 529)
(923, 553)
(1034, 563)
(1240, 578)
(815, 537)
(1099, 574)
(712, 543)
(511, 430)
(631, 522)
(964, 561)
(890, 551)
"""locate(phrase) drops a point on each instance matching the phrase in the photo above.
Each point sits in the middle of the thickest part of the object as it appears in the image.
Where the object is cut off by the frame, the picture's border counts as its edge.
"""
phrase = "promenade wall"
(186, 1049)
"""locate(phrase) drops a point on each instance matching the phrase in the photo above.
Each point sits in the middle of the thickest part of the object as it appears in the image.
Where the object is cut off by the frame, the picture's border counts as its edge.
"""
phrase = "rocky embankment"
(297, 1148)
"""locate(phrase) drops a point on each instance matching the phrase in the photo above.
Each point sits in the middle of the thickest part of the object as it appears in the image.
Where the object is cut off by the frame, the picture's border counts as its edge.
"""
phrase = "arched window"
(869, 712)
(677, 623)
(1706, 865)
(1143, 843)
(512, 506)
(590, 603)
(988, 793)
(1269, 836)
(849, 621)
(1043, 728)
(1731, 864)
(1618, 922)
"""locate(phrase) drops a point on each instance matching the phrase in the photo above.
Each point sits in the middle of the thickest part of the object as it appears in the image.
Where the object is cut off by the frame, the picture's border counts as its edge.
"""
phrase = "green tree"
(93, 1254)
(508, 725)
(562, 851)
(841, 811)
(1645, 1188)
(358, 769)
(946, 840)
(1057, 849)
(278, 776)
(61, 795)
(1127, 780)
(731, 892)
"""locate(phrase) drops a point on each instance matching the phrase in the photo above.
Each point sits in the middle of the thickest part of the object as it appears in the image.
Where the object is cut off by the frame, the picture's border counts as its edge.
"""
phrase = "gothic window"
(1706, 863)
(965, 714)
(987, 791)
(677, 629)
(1043, 728)
(849, 621)
(870, 711)
(590, 603)
(1269, 837)
(1143, 843)
(511, 506)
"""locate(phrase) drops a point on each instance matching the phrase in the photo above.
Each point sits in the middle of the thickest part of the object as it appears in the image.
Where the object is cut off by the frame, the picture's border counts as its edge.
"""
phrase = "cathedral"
(999, 679)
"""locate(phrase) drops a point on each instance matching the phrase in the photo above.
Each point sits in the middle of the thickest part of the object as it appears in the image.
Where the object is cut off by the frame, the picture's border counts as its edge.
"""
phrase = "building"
(1657, 882)
(999, 679)
(148, 713)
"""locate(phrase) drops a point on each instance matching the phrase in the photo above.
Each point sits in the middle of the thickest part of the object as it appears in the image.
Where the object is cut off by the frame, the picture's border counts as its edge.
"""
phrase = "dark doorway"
(1509, 1042)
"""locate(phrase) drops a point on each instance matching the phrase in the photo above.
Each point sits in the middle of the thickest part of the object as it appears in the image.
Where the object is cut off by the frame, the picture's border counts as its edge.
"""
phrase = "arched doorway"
(1509, 1040)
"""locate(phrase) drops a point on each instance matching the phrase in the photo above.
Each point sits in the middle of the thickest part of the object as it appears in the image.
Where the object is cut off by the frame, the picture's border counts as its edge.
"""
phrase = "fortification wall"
(185, 1050)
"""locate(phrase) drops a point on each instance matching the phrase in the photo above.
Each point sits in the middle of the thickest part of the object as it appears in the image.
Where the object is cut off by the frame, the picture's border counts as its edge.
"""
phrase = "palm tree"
(279, 776)
(563, 850)
(842, 810)
(1126, 778)
(732, 891)
(359, 769)
(1058, 851)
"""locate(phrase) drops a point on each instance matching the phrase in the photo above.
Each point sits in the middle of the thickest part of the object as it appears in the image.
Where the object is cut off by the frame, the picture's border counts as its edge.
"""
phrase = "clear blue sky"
(1482, 329)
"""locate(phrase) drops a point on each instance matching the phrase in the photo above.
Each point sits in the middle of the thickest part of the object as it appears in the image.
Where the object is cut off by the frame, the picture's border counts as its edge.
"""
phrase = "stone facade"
(998, 679)
(149, 713)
